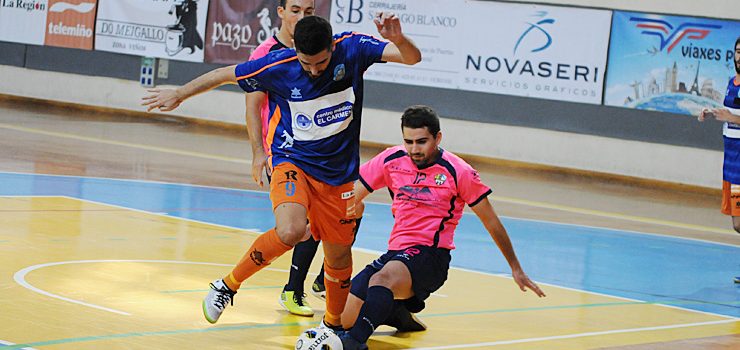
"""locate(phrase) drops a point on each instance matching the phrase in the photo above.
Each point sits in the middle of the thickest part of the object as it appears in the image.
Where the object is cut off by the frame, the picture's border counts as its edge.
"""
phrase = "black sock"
(320, 278)
(378, 305)
(303, 254)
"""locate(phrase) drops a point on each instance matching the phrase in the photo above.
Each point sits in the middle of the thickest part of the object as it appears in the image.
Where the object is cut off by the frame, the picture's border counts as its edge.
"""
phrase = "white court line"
(127, 144)
(7, 343)
(20, 277)
(507, 276)
(611, 215)
(577, 335)
(640, 233)
(257, 233)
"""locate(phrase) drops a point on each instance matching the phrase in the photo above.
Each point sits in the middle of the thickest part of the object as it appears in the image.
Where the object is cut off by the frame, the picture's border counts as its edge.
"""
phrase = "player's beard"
(419, 159)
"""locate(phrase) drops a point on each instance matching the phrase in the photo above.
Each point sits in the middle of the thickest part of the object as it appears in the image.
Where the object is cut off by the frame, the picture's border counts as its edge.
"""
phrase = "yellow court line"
(612, 215)
(125, 144)
(498, 198)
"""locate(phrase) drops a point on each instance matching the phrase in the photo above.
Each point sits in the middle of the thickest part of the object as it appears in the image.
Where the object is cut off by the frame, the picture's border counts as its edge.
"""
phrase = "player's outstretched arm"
(254, 101)
(724, 115)
(168, 99)
(486, 214)
(400, 49)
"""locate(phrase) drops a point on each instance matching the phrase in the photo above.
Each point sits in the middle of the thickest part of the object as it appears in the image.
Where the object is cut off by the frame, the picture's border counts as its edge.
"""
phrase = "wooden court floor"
(91, 263)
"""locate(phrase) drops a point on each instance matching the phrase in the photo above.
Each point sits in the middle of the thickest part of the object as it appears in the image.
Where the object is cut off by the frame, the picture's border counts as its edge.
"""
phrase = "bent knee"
(291, 235)
(387, 279)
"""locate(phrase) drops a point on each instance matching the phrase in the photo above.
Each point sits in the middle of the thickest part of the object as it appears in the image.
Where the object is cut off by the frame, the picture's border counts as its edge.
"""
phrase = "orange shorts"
(730, 199)
(331, 209)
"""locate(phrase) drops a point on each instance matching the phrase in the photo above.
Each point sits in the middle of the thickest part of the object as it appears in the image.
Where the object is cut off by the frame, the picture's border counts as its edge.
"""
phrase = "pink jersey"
(428, 202)
(268, 45)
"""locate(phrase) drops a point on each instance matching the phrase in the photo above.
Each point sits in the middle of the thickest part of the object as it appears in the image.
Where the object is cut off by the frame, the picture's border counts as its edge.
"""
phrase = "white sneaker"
(216, 300)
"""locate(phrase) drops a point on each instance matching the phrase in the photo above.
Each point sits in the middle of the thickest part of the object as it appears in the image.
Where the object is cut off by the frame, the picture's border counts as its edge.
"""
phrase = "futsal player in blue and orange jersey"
(292, 297)
(315, 95)
(731, 134)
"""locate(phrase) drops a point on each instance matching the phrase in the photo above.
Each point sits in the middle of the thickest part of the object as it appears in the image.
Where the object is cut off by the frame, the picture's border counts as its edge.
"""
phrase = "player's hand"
(389, 26)
(163, 99)
(259, 161)
(525, 283)
(705, 113)
(723, 115)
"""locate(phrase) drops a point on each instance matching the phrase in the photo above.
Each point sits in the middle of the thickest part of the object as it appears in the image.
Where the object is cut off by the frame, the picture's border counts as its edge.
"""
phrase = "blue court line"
(645, 267)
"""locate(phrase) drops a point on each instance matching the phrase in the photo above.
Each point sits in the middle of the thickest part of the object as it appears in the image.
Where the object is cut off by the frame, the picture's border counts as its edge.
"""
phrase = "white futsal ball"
(318, 338)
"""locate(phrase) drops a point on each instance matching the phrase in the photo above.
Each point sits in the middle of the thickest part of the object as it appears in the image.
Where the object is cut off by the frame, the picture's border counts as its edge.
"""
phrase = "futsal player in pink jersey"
(430, 188)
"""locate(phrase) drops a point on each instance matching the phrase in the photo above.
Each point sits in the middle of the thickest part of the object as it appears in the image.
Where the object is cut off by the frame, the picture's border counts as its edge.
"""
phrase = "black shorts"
(428, 267)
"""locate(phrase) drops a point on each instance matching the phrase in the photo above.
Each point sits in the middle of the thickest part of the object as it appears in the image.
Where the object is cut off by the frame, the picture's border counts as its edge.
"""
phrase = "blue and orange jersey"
(314, 123)
(731, 132)
(732, 102)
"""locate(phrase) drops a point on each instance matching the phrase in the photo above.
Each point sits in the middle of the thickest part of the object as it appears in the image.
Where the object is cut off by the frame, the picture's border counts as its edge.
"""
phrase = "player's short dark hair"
(313, 34)
(737, 42)
(281, 3)
(420, 116)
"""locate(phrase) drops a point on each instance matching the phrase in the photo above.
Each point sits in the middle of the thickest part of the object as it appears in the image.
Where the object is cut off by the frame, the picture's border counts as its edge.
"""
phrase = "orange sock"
(337, 284)
(266, 248)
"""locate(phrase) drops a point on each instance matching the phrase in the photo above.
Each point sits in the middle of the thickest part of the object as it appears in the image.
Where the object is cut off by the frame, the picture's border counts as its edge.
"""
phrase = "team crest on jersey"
(252, 83)
(369, 40)
(295, 93)
(302, 122)
(440, 179)
(339, 72)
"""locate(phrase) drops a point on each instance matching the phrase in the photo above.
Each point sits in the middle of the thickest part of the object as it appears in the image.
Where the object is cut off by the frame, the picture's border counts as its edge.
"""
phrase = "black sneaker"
(404, 321)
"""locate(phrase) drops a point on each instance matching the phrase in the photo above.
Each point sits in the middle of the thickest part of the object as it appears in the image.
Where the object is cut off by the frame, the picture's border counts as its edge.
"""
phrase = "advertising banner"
(515, 49)
(71, 23)
(172, 29)
(548, 52)
(236, 27)
(23, 21)
(434, 25)
(669, 63)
